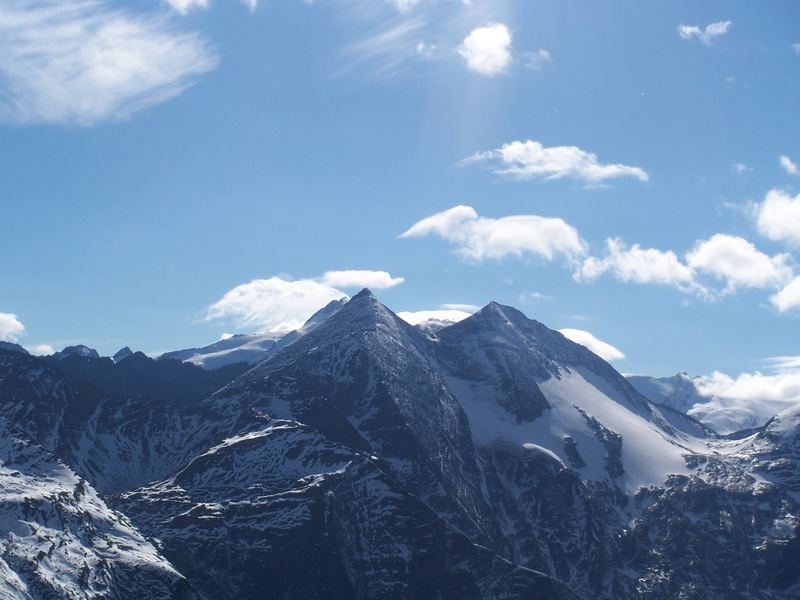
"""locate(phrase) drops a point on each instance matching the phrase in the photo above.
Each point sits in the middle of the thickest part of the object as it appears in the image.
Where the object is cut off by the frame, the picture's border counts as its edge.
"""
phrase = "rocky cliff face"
(61, 540)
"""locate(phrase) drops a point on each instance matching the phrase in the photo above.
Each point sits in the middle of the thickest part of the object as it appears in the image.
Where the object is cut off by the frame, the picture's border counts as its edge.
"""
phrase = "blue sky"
(180, 170)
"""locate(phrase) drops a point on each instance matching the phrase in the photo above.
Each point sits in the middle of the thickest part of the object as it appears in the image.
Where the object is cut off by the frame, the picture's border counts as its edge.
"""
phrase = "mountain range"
(362, 457)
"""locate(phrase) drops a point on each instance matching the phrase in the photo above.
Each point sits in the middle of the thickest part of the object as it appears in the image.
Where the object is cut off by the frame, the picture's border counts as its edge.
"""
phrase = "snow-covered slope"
(730, 528)
(678, 392)
(249, 348)
(520, 382)
(693, 396)
(58, 538)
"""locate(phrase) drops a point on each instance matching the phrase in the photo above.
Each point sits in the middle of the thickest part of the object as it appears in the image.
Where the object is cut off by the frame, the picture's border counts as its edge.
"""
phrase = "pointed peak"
(79, 350)
(497, 319)
(361, 316)
(363, 301)
(364, 312)
(121, 354)
(364, 293)
(495, 310)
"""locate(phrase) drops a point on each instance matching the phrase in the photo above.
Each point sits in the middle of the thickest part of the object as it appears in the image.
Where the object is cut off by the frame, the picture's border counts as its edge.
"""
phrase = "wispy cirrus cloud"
(184, 6)
(82, 62)
(388, 49)
(405, 5)
(532, 160)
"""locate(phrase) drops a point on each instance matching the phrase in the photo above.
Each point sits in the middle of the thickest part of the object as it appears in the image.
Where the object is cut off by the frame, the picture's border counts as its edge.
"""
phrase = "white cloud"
(603, 349)
(487, 50)
(378, 280)
(469, 308)
(796, 48)
(740, 168)
(41, 350)
(79, 62)
(478, 238)
(273, 304)
(525, 296)
(638, 265)
(784, 364)
(789, 297)
(532, 160)
(778, 217)
(11, 328)
(404, 5)
(387, 51)
(787, 165)
(426, 49)
(747, 400)
(739, 263)
(707, 35)
(730, 259)
(536, 61)
(281, 304)
(420, 316)
(184, 6)
(251, 4)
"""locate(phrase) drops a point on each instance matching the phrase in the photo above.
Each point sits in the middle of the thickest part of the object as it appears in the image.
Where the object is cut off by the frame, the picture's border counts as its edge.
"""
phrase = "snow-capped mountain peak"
(78, 350)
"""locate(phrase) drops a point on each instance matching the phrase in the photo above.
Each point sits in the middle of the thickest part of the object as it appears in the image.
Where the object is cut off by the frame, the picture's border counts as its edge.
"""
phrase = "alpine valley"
(362, 457)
